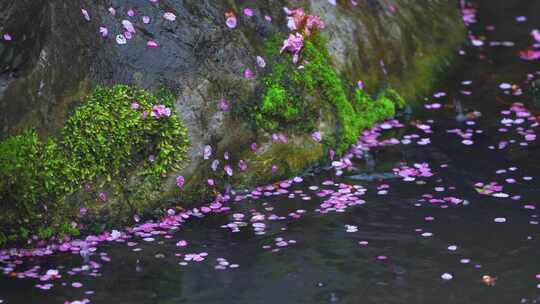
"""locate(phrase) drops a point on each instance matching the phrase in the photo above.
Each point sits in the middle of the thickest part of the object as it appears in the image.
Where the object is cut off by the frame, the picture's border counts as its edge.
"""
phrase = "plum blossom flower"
(159, 111)
(303, 26)
(295, 18)
(313, 23)
(294, 45)
(180, 181)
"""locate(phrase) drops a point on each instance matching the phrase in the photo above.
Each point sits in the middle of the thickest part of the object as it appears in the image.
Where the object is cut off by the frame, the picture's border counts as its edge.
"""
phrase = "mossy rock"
(118, 141)
(289, 91)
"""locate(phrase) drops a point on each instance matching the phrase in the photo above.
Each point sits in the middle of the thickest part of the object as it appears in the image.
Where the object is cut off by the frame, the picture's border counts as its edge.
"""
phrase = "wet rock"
(57, 57)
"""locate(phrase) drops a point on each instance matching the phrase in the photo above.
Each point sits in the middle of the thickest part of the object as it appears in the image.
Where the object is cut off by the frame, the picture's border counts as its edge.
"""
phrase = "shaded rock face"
(56, 57)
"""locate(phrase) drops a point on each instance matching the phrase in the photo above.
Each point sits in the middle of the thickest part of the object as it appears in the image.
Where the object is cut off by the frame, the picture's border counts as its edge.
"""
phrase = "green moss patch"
(293, 95)
(117, 131)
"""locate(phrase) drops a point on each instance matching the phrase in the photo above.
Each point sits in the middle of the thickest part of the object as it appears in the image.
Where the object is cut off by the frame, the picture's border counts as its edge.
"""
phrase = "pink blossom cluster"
(488, 189)
(468, 13)
(410, 173)
(297, 20)
(294, 45)
(159, 111)
(302, 26)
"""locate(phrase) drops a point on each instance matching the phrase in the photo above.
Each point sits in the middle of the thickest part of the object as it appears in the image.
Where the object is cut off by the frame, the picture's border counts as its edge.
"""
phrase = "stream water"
(384, 231)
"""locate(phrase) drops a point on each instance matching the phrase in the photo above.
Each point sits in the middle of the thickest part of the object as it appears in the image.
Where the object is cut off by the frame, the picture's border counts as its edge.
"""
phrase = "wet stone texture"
(58, 55)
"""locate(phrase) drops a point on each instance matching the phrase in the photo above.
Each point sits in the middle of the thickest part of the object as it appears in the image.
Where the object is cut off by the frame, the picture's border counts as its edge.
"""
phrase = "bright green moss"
(283, 104)
(287, 88)
(105, 139)
(278, 105)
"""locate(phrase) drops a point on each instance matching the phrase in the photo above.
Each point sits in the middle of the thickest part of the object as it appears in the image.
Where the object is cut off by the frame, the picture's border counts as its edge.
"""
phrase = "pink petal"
(260, 62)
(128, 26)
(169, 16)
(85, 14)
(231, 22)
(223, 105)
(152, 44)
(104, 31)
(248, 73)
(207, 152)
(248, 12)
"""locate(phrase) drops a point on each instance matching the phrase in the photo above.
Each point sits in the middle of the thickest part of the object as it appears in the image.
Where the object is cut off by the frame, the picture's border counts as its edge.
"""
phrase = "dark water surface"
(326, 264)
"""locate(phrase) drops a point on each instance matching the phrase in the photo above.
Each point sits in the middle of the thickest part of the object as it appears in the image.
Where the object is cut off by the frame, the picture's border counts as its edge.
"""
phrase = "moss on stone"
(288, 158)
(284, 104)
(112, 135)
